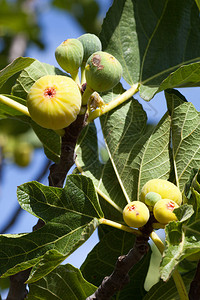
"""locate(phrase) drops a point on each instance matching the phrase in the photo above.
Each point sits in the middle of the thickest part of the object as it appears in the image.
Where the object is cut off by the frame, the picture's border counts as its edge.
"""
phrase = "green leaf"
(65, 282)
(136, 156)
(71, 215)
(167, 290)
(185, 123)
(184, 212)
(182, 239)
(104, 256)
(32, 73)
(102, 174)
(16, 66)
(151, 42)
(50, 139)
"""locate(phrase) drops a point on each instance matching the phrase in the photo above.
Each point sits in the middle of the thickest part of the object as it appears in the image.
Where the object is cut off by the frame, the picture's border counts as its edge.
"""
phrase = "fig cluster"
(159, 198)
(54, 101)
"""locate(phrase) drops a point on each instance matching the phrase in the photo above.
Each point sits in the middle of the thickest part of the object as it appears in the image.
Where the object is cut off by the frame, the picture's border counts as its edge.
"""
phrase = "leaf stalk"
(120, 226)
(14, 104)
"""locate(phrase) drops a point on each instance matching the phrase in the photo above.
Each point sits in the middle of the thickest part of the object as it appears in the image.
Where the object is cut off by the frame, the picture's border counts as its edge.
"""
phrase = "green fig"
(91, 43)
(151, 198)
(103, 71)
(69, 55)
(23, 154)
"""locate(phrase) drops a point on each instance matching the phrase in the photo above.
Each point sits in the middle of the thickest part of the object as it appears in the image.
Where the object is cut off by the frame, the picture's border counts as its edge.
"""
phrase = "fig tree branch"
(119, 277)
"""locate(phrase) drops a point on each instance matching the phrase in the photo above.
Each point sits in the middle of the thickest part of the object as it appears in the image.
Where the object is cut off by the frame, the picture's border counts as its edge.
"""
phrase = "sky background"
(57, 26)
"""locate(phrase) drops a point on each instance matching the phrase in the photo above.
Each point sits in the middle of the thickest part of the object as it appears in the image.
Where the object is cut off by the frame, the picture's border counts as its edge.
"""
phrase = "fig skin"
(54, 101)
(91, 44)
(69, 55)
(151, 198)
(136, 214)
(102, 71)
(163, 211)
(165, 188)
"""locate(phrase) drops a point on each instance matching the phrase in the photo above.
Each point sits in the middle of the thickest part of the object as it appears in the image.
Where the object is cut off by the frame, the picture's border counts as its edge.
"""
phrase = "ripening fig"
(136, 214)
(102, 71)
(163, 211)
(165, 188)
(54, 101)
(151, 198)
(23, 154)
(91, 43)
(69, 55)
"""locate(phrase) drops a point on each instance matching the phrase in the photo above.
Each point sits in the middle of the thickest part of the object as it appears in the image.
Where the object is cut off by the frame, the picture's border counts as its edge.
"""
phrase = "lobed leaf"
(185, 124)
(14, 67)
(137, 155)
(102, 174)
(65, 282)
(182, 238)
(71, 215)
(156, 45)
(32, 73)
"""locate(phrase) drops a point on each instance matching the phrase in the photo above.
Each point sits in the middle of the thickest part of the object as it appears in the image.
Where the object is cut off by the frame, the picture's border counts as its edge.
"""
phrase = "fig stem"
(14, 104)
(113, 103)
(120, 226)
(75, 77)
(86, 95)
(83, 79)
(176, 275)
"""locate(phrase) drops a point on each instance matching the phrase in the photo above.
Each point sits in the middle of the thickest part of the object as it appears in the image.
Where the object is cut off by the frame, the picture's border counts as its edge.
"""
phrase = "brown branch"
(58, 172)
(194, 292)
(119, 278)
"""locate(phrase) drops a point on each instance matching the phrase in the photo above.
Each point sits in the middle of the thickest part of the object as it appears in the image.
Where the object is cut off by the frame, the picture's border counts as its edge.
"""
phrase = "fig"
(23, 154)
(151, 198)
(69, 55)
(54, 101)
(163, 211)
(136, 214)
(91, 43)
(102, 71)
(165, 188)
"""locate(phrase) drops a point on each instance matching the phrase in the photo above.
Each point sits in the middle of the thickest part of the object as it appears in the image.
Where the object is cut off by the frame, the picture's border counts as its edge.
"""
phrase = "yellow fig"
(54, 101)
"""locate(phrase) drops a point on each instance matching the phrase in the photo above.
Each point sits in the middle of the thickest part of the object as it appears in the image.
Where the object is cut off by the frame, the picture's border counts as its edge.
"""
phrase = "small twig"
(194, 292)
